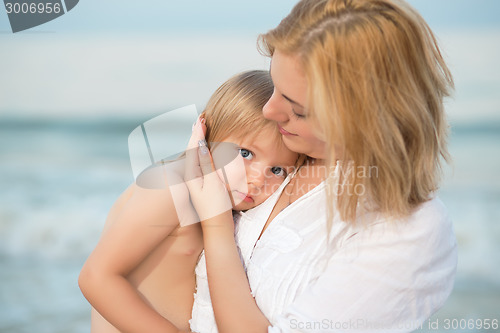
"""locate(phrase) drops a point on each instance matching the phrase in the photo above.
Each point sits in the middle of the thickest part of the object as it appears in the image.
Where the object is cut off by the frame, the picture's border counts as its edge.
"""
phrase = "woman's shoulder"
(427, 229)
(430, 217)
(433, 207)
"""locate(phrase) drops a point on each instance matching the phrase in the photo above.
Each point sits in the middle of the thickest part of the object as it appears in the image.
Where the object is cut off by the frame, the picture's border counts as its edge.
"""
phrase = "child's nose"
(256, 176)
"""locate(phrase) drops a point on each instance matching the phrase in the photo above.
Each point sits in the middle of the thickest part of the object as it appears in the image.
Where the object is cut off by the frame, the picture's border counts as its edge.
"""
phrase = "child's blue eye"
(278, 171)
(246, 154)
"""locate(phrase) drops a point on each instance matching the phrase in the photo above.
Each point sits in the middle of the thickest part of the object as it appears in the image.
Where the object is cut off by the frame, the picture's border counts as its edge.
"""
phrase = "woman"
(356, 239)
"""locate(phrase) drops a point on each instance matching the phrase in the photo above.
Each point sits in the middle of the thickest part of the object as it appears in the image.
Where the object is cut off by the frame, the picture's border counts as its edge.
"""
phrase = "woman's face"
(288, 107)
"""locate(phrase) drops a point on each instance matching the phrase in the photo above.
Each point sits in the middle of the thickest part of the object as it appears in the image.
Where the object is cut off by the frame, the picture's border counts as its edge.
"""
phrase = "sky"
(118, 16)
(128, 57)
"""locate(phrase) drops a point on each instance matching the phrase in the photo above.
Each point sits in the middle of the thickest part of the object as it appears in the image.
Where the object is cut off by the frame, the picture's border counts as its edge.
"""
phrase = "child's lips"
(245, 197)
(248, 199)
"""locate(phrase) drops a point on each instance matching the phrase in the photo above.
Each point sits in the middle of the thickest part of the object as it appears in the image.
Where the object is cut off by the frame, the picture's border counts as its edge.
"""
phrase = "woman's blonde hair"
(235, 108)
(376, 83)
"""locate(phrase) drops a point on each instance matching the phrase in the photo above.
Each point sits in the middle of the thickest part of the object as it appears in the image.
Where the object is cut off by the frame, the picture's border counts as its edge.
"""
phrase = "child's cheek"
(271, 185)
(230, 166)
(236, 175)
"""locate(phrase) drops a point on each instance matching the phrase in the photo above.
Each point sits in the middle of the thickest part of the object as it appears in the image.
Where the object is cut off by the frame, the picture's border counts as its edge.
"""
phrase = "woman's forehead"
(288, 78)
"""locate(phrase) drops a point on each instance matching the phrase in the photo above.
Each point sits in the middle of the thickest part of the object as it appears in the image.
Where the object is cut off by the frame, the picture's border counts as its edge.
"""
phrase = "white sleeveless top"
(379, 276)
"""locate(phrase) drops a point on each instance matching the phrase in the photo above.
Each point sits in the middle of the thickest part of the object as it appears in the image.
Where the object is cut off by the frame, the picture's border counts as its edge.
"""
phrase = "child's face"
(265, 164)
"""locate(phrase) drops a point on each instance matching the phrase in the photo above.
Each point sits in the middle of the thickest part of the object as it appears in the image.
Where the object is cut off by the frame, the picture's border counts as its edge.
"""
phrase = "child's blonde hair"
(235, 108)
(376, 83)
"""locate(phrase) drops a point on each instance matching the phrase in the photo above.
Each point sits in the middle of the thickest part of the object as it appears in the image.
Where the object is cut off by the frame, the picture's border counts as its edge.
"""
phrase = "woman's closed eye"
(297, 114)
(246, 154)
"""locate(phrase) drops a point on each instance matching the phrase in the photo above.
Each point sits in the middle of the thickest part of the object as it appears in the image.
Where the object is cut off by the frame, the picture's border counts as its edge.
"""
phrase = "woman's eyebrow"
(291, 101)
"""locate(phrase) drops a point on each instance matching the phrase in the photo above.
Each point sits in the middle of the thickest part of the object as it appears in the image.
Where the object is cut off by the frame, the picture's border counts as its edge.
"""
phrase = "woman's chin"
(316, 150)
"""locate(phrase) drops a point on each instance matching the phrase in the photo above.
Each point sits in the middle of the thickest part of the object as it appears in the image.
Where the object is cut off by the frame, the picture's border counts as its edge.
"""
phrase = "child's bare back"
(165, 277)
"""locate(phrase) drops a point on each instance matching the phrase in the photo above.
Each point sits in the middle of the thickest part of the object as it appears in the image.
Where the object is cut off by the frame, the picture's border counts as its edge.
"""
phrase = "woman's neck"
(316, 161)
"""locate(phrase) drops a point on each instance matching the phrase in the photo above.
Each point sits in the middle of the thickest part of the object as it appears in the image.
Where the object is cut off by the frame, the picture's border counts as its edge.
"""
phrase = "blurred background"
(73, 89)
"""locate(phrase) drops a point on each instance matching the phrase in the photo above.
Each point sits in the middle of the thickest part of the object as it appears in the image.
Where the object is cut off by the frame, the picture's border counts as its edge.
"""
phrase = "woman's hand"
(208, 193)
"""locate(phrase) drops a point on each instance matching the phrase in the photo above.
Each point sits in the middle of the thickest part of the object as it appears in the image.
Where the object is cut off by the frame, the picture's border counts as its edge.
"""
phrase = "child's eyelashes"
(249, 155)
(245, 153)
(278, 171)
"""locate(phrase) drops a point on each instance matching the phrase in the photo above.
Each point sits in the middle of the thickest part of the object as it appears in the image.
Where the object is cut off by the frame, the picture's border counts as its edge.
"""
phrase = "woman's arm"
(145, 219)
(234, 306)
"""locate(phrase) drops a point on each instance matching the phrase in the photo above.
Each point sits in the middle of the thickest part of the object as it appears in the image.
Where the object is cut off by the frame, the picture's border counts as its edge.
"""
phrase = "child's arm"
(145, 220)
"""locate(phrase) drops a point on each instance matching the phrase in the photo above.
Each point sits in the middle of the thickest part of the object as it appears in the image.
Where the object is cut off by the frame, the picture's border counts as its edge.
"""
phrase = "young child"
(140, 277)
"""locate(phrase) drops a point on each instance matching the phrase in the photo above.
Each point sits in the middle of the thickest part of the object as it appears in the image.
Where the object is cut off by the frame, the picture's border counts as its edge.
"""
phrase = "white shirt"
(377, 276)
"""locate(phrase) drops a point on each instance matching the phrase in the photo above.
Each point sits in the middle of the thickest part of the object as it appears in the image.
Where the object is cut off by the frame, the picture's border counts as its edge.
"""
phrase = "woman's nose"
(276, 108)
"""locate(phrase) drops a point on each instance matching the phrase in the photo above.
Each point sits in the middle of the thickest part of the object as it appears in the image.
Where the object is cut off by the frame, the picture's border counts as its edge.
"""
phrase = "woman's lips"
(285, 132)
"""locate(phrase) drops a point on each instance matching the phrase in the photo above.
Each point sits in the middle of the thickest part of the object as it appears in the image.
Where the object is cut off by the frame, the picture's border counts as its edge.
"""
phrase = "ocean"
(59, 179)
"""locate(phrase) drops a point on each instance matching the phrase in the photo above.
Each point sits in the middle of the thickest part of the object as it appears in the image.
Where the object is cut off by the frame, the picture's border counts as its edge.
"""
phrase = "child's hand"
(208, 193)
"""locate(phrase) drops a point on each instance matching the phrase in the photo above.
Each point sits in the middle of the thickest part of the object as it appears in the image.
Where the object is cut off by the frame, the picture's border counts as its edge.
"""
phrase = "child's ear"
(203, 127)
(203, 122)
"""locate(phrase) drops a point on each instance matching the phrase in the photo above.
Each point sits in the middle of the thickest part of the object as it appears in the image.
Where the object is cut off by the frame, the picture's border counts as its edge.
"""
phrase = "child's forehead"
(272, 148)
(270, 132)
(263, 140)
